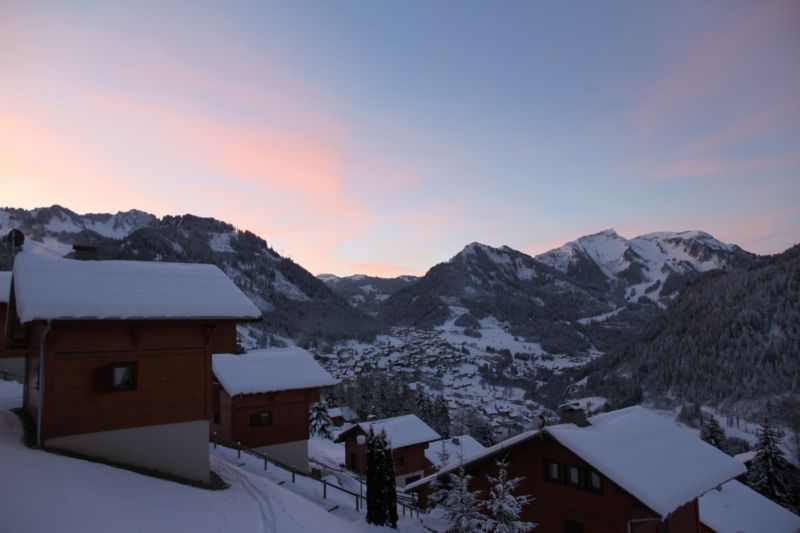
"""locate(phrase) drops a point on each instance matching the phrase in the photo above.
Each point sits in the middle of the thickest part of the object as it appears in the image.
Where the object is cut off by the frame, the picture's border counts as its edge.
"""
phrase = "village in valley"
(133, 370)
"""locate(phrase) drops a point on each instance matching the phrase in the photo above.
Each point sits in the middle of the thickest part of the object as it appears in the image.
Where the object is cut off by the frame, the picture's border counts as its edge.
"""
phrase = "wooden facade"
(264, 419)
(171, 363)
(407, 459)
(561, 506)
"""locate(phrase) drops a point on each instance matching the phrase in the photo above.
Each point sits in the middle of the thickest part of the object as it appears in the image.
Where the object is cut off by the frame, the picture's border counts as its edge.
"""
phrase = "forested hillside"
(731, 339)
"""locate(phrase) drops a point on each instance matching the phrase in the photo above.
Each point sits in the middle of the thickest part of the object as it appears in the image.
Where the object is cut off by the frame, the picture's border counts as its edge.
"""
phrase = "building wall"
(290, 411)
(555, 502)
(294, 454)
(179, 449)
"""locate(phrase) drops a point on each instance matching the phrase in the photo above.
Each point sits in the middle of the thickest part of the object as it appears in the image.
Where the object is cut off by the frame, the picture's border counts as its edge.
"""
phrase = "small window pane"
(123, 376)
(574, 475)
(552, 471)
(595, 482)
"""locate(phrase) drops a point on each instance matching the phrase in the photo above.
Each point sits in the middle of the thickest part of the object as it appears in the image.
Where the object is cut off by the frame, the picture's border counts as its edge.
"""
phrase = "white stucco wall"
(294, 454)
(179, 449)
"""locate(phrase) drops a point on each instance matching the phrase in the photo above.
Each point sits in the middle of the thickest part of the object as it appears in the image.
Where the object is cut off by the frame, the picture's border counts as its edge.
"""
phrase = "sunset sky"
(382, 137)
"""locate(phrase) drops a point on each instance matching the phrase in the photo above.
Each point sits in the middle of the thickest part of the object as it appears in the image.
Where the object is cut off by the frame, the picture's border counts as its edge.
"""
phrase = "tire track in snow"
(265, 510)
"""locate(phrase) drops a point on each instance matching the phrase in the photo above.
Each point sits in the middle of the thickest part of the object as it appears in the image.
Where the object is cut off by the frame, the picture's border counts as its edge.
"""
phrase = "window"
(123, 376)
(594, 482)
(552, 471)
(263, 418)
(573, 476)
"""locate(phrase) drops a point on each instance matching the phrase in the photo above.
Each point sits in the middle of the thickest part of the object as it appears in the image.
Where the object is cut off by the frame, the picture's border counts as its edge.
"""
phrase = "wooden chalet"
(623, 471)
(262, 398)
(408, 436)
(118, 356)
(12, 360)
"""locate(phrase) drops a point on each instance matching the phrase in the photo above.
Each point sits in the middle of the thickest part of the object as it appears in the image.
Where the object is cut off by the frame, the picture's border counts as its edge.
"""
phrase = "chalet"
(12, 361)
(627, 470)
(118, 356)
(262, 398)
(408, 437)
(447, 452)
(735, 508)
(341, 415)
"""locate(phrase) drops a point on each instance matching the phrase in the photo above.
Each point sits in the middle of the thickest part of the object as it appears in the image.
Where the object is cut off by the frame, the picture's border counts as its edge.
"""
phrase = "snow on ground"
(55, 493)
(326, 451)
(10, 394)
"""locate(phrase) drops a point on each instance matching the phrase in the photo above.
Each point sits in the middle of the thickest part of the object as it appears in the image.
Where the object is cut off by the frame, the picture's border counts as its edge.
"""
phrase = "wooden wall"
(173, 374)
(290, 411)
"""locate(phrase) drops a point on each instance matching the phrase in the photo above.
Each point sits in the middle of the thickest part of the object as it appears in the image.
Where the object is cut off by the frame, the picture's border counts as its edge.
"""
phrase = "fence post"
(239, 450)
(324, 489)
(356, 502)
(265, 462)
(292, 475)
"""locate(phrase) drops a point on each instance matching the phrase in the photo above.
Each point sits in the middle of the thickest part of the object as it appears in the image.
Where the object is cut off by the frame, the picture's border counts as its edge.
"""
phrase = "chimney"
(571, 413)
(84, 252)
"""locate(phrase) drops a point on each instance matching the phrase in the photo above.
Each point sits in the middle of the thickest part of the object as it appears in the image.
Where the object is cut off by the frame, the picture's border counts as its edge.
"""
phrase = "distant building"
(262, 398)
(341, 415)
(118, 356)
(408, 436)
(626, 470)
(448, 452)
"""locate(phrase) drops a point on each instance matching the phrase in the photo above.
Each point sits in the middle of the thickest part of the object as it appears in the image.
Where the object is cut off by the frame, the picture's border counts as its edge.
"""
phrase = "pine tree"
(461, 506)
(389, 481)
(381, 487)
(441, 417)
(376, 482)
(769, 471)
(712, 433)
(320, 421)
(503, 506)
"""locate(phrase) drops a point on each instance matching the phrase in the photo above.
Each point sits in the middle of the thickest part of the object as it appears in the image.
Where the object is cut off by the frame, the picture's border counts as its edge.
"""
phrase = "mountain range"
(584, 297)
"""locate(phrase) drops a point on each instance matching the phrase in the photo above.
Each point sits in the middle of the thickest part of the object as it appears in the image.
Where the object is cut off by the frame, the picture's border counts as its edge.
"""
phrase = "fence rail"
(406, 508)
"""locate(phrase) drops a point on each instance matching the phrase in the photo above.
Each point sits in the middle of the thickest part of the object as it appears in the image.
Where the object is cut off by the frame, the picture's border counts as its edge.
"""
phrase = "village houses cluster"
(137, 364)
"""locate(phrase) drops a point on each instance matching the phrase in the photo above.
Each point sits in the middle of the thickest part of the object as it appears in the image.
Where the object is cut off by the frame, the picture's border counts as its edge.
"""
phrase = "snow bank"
(10, 394)
(269, 370)
(55, 493)
(735, 508)
(661, 464)
(54, 288)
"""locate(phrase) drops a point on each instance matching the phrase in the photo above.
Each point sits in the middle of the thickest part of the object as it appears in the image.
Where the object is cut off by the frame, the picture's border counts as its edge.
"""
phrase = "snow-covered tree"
(442, 455)
(462, 506)
(381, 489)
(769, 471)
(504, 507)
(320, 421)
(440, 417)
(712, 432)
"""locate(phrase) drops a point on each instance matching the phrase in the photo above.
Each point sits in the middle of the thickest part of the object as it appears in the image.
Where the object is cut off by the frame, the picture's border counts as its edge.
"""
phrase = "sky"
(382, 137)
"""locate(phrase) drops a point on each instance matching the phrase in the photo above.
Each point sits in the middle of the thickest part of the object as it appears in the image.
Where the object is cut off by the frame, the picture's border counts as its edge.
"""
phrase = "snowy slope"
(653, 266)
(55, 493)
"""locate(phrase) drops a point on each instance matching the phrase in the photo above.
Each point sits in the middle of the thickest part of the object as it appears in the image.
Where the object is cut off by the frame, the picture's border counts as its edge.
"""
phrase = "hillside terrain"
(365, 293)
(730, 339)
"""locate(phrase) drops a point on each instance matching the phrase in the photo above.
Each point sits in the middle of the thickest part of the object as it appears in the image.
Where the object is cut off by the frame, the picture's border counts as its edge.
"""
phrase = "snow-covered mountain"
(653, 266)
(294, 303)
(366, 292)
(583, 297)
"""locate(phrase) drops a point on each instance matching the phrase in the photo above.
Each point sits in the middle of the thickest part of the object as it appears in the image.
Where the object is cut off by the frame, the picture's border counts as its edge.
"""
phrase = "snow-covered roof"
(454, 448)
(735, 508)
(656, 461)
(270, 370)
(52, 288)
(400, 431)
(480, 455)
(5, 286)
